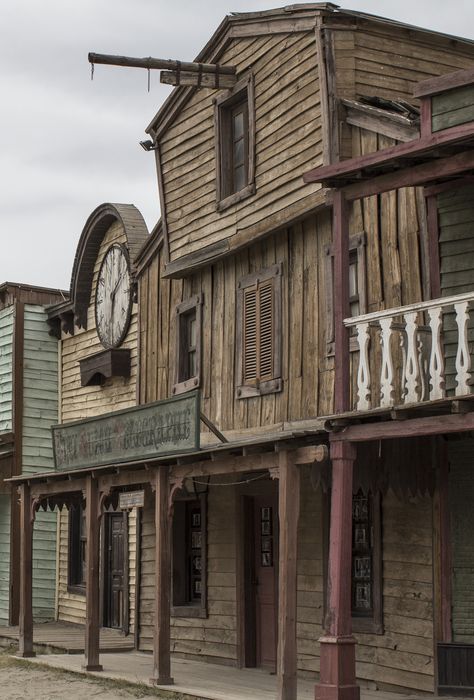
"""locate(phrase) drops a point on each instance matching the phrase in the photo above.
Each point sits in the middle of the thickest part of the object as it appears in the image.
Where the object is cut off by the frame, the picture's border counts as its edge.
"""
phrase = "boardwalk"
(65, 638)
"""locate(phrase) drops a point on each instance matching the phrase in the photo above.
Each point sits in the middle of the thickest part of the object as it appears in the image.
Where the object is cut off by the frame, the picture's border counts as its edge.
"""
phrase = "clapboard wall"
(7, 319)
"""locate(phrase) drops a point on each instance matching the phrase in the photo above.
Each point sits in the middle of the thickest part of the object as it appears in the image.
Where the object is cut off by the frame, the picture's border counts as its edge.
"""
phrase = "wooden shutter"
(258, 333)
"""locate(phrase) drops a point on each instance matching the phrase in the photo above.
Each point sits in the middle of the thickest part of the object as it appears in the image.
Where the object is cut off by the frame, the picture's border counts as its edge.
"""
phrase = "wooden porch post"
(161, 635)
(92, 576)
(288, 510)
(337, 657)
(340, 233)
(26, 574)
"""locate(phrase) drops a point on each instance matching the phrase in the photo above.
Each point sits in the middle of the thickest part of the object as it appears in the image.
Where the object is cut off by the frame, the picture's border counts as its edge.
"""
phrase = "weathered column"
(337, 656)
(161, 635)
(92, 576)
(340, 233)
(26, 574)
(288, 511)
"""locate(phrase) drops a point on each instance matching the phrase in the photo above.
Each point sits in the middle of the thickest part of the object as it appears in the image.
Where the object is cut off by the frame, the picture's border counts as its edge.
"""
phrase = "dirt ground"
(25, 681)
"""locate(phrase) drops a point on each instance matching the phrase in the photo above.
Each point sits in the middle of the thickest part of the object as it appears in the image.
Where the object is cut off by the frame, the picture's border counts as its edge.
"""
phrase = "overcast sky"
(68, 144)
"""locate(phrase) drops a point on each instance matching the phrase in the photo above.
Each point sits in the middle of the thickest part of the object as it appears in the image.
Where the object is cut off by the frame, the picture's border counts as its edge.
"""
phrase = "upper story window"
(258, 339)
(235, 144)
(188, 351)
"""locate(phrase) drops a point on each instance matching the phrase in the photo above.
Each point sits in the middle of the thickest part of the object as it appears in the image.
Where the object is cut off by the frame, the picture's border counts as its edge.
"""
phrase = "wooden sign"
(134, 434)
(132, 499)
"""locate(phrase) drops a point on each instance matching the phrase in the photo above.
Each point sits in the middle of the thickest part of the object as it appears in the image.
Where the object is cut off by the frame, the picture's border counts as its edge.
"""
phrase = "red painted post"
(337, 656)
(26, 574)
(341, 303)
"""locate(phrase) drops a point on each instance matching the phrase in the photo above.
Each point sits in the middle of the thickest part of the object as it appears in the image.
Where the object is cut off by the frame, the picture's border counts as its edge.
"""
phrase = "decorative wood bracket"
(34, 506)
(114, 362)
(274, 472)
(176, 484)
(101, 504)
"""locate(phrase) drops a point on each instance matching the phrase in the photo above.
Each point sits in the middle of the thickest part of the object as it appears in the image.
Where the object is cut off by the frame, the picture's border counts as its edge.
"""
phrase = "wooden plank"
(26, 575)
(341, 302)
(92, 662)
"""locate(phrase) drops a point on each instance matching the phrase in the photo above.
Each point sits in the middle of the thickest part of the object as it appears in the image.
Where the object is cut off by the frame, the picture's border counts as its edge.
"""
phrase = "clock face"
(113, 297)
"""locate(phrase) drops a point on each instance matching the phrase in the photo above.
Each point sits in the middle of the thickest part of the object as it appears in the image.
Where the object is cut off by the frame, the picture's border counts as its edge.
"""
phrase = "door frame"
(247, 652)
(104, 572)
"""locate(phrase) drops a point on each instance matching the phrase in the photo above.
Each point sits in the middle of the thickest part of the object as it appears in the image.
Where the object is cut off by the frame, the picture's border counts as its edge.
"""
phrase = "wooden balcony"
(413, 354)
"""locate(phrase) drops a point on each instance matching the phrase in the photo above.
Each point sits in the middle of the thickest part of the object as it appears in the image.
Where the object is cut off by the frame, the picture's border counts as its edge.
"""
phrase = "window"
(77, 548)
(189, 557)
(188, 356)
(235, 144)
(357, 287)
(366, 563)
(258, 337)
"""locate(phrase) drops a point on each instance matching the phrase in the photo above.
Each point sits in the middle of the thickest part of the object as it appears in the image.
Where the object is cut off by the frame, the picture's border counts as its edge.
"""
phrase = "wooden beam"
(218, 81)
(449, 81)
(337, 650)
(92, 577)
(151, 63)
(418, 147)
(415, 427)
(341, 303)
(433, 246)
(56, 488)
(125, 478)
(288, 511)
(26, 574)
(161, 634)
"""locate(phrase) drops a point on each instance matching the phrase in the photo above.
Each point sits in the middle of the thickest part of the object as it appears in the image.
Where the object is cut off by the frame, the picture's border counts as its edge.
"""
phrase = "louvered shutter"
(258, 333)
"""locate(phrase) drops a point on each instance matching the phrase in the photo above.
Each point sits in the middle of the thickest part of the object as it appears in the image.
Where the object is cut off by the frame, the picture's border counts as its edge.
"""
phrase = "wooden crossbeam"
(151, 63)
(199, 80)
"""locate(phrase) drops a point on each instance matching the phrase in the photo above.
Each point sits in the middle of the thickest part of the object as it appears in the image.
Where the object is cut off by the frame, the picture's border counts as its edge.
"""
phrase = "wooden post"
(161, 635)
(288, 509)
(92, 576)
(341, 303)
(337, 656)
(26, 574)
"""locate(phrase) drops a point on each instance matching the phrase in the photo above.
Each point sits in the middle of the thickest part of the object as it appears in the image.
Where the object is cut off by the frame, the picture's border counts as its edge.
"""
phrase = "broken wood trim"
(151, 63)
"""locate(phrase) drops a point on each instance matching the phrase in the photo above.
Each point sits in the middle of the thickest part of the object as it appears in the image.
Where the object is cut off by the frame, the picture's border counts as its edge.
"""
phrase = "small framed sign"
(132, 499)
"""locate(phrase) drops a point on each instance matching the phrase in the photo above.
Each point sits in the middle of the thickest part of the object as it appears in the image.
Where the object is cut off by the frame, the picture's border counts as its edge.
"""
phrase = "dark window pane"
(239, 178)
(239, 153)
(238, 125)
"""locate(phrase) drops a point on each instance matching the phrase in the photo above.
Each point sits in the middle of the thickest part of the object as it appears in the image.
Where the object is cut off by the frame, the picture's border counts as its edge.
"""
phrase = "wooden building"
(281, 538)
(28, 407)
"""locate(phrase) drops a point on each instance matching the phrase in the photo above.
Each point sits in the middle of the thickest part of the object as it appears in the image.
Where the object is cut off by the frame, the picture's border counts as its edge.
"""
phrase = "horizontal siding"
(4, 558)
(7, 318)
(288, 142)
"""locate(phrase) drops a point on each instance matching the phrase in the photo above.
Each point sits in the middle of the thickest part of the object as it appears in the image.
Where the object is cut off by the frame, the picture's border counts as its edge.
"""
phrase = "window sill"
(187, 385)
(236, 197)
(272, 386)
(188, 611)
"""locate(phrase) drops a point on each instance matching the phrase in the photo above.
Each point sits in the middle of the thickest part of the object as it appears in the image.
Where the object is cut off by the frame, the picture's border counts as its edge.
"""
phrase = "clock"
(113, 297)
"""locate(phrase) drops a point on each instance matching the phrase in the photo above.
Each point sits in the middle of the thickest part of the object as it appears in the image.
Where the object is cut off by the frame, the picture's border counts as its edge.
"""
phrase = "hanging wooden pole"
(151, 63)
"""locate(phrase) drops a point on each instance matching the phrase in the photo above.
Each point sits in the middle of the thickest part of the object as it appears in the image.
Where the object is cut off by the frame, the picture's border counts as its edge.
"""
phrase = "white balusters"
(363, 373)
(386, 372)
(412, 368)
(463, 357)
(436, 367)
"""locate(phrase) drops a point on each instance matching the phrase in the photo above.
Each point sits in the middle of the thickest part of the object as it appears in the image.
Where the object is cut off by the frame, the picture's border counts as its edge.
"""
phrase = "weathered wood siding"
(7, 320)
(84, 402)
(307, 371)
(452, 108)
(5, 511)
(40, 411)
(461, 495)
(288, 142)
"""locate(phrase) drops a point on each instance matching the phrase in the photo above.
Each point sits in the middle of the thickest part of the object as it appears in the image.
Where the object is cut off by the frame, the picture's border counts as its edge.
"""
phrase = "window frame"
(357, 245)
(76, 536)
(223, 107)
(196, 608)
(275, 384)
(182, 310)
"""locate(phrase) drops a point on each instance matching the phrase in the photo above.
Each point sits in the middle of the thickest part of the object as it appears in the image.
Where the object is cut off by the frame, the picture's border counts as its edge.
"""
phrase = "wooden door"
(114, 570)
(266, 568)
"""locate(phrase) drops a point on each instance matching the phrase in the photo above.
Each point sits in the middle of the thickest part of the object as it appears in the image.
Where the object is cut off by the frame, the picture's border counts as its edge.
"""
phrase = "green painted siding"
(40, 411)
(456, 245)
(4, 557)
(6, 354)
(461, 497)
(452, 108)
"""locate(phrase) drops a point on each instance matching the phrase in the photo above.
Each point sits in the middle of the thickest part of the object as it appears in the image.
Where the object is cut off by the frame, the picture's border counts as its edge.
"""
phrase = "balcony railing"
(412, 354)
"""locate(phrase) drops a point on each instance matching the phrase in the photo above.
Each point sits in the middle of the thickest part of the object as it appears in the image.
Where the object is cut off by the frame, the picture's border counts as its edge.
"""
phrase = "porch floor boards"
(196, 679)
(69, 638)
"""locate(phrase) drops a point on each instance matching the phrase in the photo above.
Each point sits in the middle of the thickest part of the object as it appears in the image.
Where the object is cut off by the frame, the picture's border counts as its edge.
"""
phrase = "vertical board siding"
(4, 558)
(79, 402)
(288, 142)
(461, 495)
(7, 318)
